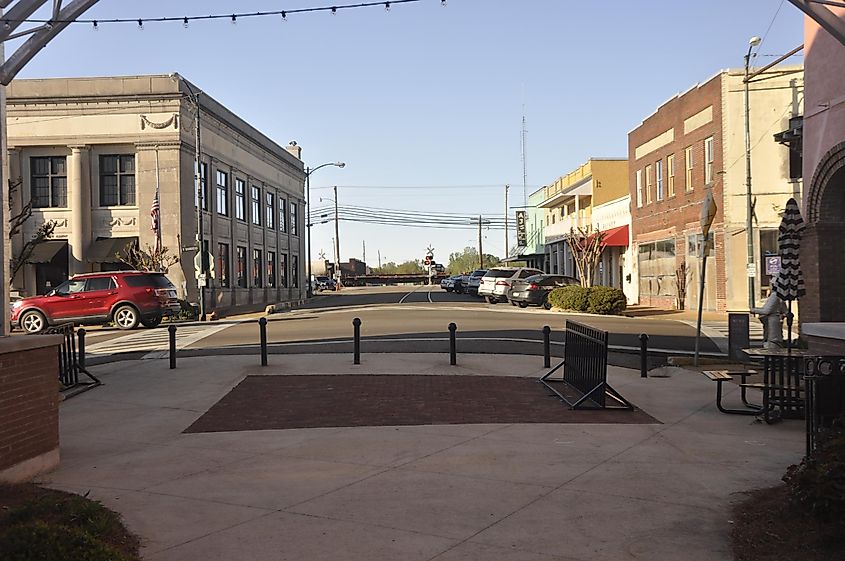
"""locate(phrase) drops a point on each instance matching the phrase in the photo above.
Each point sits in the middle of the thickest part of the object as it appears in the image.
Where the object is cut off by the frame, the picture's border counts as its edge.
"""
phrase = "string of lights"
(233, 17)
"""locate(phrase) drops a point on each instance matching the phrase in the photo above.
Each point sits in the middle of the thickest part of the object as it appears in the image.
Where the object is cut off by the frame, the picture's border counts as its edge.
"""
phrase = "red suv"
(126, 298)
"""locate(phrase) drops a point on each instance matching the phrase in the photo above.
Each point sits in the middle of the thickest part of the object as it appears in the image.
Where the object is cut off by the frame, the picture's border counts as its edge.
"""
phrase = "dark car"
(126, 298)
(534, 291)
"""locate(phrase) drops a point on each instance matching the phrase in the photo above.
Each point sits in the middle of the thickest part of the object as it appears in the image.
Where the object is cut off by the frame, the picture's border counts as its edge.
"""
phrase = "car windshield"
(499, 273)
(479, 273)
(536, 279)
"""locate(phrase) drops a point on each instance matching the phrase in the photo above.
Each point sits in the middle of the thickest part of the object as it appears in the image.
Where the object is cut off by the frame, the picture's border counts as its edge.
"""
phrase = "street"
(394, 319)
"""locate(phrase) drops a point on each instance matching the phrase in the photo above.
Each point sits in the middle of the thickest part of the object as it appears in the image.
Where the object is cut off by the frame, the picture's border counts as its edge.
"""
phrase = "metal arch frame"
(821, 14)
(41, 35)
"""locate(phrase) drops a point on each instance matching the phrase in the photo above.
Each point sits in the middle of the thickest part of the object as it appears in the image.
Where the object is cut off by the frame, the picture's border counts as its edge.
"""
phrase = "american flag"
(155, 214)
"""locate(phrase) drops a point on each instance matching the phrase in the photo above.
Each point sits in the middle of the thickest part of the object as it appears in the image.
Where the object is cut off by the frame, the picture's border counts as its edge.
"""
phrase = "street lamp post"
(308, 172)
(753, 42)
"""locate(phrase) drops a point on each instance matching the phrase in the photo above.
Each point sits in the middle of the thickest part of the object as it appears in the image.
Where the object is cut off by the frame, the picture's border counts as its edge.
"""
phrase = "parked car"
(473, 280)
(534, 291)
(324, 283)
(497, 281)
(451, 284)
(126, 298)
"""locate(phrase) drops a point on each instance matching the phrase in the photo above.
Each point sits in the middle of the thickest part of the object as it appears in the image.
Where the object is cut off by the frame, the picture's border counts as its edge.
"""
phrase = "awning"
(105, 250)
(616, 237)
(45, 251)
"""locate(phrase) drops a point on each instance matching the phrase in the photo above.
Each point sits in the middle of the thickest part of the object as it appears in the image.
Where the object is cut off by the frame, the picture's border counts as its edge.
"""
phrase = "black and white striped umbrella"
(790, 281)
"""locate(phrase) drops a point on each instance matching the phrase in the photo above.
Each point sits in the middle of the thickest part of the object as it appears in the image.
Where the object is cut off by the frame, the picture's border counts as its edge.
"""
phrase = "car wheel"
(491, 300)
(547, 305)
(513, 303)
(449, 289)
(33, 322)
(523, 304)
(152, 322)
(126, 317)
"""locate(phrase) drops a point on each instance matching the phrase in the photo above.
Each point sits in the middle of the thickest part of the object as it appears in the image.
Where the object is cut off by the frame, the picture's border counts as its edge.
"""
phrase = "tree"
(406, 268)
(586, 248)
(467, 260)
(146, 259)
(42, 234)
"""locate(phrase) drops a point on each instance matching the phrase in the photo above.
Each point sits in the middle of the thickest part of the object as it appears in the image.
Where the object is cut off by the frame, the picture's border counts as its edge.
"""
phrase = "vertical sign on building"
(521, 236)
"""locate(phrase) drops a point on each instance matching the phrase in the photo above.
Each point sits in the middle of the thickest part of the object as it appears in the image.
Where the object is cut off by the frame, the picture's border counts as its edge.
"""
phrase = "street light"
(753, 42)
(202, 279)
(308, 172)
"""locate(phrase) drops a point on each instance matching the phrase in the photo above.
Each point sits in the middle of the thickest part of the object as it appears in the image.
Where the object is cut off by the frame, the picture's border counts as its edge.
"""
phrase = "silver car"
(472, 281)
(496, 283)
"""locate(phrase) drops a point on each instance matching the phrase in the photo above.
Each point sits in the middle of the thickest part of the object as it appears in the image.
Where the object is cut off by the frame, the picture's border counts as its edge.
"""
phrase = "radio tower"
(524, 161)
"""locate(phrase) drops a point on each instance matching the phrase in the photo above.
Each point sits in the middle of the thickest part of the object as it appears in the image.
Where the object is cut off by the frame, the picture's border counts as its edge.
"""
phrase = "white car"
(497, 281)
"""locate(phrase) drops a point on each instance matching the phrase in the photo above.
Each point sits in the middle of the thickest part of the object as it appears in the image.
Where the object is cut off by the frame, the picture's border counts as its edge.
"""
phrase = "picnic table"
(783, 382)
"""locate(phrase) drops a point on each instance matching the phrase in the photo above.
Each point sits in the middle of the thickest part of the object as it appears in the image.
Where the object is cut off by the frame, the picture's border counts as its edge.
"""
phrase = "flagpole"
(158, 244)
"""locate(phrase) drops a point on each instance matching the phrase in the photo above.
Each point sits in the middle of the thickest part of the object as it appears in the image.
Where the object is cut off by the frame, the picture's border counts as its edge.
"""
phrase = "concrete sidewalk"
(503, 492)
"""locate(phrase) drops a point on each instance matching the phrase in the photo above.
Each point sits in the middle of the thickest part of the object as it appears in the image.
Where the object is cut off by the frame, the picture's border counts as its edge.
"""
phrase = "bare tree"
(146, 258)
(586, 247)
(42, 234)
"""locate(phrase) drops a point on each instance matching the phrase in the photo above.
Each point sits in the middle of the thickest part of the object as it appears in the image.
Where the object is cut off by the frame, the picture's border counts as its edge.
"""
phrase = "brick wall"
(29, 400)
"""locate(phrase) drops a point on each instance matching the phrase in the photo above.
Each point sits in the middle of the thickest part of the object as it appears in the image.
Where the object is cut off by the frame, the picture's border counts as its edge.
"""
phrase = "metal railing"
(824, 385)
(71, 357)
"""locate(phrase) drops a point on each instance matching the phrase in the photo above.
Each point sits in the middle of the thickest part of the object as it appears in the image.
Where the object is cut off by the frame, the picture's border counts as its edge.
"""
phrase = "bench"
(722, 376)
(584, 368)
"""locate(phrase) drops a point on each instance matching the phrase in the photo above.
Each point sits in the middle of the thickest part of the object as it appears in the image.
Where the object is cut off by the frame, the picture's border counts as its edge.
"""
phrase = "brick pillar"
(809, 306)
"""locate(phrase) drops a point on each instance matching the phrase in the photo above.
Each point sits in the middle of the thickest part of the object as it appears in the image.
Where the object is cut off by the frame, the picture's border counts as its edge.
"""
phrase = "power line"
(233, 17)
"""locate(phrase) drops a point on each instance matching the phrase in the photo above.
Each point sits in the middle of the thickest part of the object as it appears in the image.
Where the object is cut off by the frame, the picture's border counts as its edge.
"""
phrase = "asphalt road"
(400, 319)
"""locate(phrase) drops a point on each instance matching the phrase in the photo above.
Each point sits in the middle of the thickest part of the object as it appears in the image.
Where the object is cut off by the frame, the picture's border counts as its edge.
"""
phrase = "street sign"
(521, 236)
(198, 265)
(772, 264)
(751, 270)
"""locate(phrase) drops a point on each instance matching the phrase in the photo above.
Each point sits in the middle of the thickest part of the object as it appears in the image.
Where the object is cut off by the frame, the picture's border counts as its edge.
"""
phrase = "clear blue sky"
(427, 96)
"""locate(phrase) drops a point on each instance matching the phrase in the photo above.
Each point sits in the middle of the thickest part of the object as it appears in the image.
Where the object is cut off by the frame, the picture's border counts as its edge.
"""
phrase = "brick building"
(694, 142)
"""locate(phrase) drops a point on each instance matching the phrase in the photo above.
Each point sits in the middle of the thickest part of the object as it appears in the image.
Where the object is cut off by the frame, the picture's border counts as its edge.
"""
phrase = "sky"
(425, 103)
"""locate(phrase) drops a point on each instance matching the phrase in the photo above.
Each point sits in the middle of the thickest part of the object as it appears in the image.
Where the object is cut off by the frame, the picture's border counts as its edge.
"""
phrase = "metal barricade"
(69, 361)
(824, 388)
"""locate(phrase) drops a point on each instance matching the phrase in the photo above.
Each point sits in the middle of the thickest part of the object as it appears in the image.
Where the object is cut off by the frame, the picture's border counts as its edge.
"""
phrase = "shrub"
(606, 300)
(570, 298)
(38, 540)
(817, 484)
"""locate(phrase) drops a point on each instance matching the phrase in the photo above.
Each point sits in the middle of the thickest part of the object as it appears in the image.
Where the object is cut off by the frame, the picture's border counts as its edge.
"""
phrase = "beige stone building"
(88, 154)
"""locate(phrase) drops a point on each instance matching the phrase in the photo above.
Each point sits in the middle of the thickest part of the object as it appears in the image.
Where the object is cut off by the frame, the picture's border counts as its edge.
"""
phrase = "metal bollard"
(643, 355)
(81, 359)
(171, 332)
(547, 347)
(356, 336)
(453, 352)
(262, 328)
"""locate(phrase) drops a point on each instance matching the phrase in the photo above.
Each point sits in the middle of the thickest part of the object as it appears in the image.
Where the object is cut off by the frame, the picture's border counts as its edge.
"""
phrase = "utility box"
(738, 336)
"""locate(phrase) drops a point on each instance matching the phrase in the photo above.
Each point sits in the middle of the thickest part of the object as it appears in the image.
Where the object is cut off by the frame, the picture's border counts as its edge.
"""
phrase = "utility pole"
(203, 276)
(364, 243)
(379, 260)
(480, 249)
(749, 223)
(506, 220)
(337, 236)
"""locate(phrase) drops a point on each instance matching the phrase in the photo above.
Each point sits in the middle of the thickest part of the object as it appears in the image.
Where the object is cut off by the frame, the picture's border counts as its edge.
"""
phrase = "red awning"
(616, 237)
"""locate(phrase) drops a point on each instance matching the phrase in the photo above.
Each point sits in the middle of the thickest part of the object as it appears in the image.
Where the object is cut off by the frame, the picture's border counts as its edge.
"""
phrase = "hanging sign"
(521, 236)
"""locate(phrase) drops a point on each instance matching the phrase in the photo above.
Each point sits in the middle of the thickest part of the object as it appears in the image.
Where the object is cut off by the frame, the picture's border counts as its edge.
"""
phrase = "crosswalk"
(154, 343)
(755, 329)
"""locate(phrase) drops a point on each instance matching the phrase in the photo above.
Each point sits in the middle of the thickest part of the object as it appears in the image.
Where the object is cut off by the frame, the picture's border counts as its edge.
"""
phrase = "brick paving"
(287, 402)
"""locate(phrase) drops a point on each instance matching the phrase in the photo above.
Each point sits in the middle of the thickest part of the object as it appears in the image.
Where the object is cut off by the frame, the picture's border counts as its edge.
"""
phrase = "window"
(222, 193)
(255, 193)
(271, 268)
(282, 215)
(708, 160)
(152, 280)
(294, 220)
(283, 270)
(688, 166)
(223, 264)
(117, 180)
(241, 267)
(257, 267)
(670, 172)
(100, 283)
(648, 185)
(240, 199)
(269, 209)
(639, 188)
(48, 182)
(294, 271)
(658, 172)
(203, 186)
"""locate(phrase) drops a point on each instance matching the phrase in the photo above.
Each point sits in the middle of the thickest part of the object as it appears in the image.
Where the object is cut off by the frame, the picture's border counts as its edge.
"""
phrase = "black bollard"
(547, 347)
(643, 355)
(81, 361)
(171, 331)
(356, 336)
(262, 328)
(453, 352)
